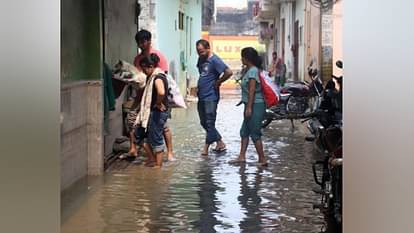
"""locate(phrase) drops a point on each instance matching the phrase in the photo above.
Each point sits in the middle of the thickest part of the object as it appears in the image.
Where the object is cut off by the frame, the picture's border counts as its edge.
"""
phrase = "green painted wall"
(81, 57)
(168, 39)
(194, 10)
(172, 41)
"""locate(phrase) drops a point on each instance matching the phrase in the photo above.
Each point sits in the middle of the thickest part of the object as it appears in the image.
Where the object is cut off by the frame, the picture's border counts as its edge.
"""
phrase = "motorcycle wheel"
(297, 105)
(337, 192)
(334, 212)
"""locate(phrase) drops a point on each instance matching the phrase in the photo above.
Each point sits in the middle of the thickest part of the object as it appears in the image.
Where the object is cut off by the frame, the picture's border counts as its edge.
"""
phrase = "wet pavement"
(203, 194)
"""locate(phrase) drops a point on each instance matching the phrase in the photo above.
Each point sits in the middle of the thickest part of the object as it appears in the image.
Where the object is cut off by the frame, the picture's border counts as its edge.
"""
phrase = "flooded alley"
(203, 194)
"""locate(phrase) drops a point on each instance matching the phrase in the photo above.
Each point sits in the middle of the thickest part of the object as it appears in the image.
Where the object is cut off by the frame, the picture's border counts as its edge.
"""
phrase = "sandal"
(265, 164)
(237, 161)
(220, 150)
(127, 156)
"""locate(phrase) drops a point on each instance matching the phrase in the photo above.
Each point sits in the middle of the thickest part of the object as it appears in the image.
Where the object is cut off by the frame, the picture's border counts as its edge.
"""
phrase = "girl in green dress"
(254, 105)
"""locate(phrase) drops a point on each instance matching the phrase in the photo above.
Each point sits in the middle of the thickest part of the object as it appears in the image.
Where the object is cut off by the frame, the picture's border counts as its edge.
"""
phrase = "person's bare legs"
(150, 154)
(168, 143)
(259, 149)
(205, 149)
(243, 148)
(132, 146)
(159, 157)
(220, 145)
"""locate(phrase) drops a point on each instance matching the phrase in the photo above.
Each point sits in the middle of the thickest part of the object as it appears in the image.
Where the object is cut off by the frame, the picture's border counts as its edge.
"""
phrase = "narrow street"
(203, 194)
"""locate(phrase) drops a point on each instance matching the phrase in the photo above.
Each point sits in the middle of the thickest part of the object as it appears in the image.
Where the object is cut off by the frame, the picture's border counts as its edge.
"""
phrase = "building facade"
(337, 37)
(300, 32)
(208, 17)
(178, 28)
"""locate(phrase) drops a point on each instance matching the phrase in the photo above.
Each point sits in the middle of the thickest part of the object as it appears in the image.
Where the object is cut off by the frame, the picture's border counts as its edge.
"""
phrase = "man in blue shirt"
(210, 67)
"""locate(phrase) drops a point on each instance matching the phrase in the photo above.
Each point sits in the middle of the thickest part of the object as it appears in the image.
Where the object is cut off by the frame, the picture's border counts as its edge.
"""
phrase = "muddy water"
(203, 194)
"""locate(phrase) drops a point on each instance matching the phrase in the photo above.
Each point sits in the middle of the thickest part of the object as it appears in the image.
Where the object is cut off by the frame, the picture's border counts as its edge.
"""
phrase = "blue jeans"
(207, 111)
(154, 135)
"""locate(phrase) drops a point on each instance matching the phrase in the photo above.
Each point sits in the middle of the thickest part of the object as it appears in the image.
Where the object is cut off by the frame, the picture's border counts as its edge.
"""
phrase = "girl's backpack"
(175, 99)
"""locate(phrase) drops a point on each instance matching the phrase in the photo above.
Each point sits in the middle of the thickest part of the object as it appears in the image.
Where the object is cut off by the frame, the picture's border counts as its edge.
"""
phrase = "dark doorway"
(295, 51)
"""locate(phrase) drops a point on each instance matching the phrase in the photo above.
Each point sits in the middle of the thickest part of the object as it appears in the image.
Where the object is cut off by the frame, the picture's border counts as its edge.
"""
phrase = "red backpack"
(270, 91)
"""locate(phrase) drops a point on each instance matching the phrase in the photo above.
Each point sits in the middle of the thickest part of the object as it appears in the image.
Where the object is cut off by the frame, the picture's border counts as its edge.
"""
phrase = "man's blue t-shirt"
(210, 70)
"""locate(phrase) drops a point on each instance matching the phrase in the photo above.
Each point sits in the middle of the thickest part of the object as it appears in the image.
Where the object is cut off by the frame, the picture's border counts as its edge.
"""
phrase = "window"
(180, 20)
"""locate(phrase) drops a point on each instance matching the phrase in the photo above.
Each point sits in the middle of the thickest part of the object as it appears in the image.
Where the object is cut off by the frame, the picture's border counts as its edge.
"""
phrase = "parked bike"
(296, 99)
(330, 105)
(325, 124)
(328, 175)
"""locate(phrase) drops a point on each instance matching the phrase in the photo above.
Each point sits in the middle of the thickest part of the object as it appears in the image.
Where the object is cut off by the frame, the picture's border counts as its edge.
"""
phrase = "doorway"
(295, 51)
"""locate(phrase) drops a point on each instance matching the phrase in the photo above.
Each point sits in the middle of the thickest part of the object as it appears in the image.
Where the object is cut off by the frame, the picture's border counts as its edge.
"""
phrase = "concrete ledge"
(71, 85)
(95, 117)
(81, 131)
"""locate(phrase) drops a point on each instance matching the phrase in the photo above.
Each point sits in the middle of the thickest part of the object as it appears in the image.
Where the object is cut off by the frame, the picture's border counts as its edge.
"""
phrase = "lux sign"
(230, 49)
(227, 49)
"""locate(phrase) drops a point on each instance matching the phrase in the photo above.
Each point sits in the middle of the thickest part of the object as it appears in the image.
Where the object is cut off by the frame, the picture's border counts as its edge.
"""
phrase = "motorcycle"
(326, 126)
(330, 105)
(327, 173)
(329, 176)
(296, 99)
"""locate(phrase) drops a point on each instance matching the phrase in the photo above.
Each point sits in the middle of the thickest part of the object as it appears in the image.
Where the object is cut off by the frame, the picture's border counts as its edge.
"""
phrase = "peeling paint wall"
(326, 44)
(120, 28)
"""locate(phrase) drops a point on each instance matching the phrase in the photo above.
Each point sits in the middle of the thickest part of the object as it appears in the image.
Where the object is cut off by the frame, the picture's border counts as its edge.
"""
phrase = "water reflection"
(250, 200)
(208, 201)
(198, 194)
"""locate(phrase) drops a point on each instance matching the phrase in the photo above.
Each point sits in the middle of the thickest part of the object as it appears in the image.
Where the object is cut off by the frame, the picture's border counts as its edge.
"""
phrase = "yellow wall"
(229, 47)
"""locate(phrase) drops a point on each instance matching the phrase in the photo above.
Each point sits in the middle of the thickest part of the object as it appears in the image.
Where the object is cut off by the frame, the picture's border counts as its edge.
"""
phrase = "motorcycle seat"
(296, 89)
(284, 97)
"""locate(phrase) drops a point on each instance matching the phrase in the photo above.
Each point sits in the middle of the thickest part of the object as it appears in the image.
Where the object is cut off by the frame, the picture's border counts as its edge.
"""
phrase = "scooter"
(296, 99)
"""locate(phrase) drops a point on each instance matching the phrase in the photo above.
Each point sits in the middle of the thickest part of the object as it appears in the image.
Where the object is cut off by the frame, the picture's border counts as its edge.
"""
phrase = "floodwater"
(203, 194)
